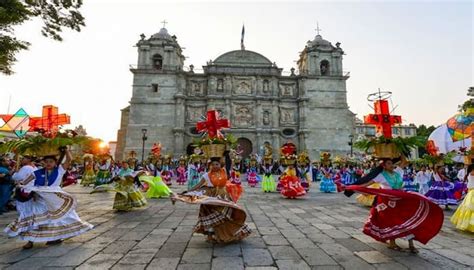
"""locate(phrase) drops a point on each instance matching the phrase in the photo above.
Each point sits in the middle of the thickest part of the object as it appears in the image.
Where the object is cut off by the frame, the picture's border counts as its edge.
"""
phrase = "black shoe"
(56, 242)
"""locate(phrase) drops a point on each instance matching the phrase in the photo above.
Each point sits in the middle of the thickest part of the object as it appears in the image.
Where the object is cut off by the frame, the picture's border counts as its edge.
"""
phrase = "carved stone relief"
(288, 115)
(243, 115)
(193, 114)
(287, 89)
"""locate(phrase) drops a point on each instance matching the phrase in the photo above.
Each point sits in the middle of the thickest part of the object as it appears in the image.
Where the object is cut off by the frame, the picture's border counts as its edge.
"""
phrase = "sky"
(421, 51)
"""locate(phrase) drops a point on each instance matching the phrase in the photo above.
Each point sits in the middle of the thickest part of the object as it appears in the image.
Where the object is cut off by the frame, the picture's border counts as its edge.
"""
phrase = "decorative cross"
(317, 28)
(164, 23)
(213, 125)
(382, 119)
(18, 123)
(50, 121)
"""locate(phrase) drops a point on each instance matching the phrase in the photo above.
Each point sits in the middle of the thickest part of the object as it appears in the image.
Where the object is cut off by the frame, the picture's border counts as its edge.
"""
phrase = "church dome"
(242, 58)
(319, 41)
(163, 34)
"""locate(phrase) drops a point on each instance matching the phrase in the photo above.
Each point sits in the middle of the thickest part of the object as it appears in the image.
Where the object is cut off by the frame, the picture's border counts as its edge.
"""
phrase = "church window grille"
(157, 62)
(324, 67)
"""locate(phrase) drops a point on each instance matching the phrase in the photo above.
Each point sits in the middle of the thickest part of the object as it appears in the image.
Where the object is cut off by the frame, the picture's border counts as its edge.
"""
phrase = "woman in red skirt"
(397, 213)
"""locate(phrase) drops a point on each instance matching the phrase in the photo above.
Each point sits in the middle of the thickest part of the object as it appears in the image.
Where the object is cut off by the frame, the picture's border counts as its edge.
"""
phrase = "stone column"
(275, 145)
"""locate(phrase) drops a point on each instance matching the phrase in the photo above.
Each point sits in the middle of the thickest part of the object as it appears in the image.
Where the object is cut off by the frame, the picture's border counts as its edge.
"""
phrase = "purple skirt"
(442, 193)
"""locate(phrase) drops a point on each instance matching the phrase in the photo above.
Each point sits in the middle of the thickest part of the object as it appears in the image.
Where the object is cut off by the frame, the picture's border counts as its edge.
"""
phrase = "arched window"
(157, 61)
(324, 67)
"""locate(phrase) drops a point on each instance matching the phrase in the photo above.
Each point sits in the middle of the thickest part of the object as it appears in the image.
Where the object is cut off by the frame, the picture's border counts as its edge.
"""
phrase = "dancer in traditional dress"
(252, 174)
(441, 190)
(166, 173)
(104, 175)
(463, 218)
(327, 184)
(268, 182)
(396, 213)
(422, 179)
(46, 212)
(409, 183)
(221, 219)
(181, 171)
(235, 173)
(304, 171)
(193, 170)
(290, 184)
(89, 176)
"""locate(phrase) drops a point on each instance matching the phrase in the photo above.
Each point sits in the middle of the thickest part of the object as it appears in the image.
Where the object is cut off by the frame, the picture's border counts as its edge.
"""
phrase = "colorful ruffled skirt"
(367, 199)
(103, 177)
(409, 185)
(268, 183)
(327, 185)
(88, 178)
(49, 216)
(128, 198)
(156, 188)
(441, 193)
(463, 218)
(252, 179)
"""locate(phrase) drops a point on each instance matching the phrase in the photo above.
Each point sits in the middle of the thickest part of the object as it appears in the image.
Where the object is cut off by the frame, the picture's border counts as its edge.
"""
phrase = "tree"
(55, 14)
(424, 131)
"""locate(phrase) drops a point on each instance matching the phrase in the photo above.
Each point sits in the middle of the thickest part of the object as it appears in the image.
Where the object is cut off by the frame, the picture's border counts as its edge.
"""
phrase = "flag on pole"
(242, 46)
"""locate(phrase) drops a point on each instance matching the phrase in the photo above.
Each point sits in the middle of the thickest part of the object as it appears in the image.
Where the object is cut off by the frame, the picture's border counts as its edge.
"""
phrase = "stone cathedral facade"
(307, 106)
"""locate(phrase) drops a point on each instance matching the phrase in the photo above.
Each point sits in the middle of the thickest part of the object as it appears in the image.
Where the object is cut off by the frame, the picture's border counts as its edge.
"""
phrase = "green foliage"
(404, 145)
(55, 14)
(229, 139)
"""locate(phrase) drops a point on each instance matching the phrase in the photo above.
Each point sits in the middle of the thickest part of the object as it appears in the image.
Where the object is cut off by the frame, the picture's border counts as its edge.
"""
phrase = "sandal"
(395, 247)
(413, 250)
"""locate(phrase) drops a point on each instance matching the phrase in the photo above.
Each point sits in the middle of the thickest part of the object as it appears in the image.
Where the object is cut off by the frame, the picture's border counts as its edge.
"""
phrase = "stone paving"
(319, 231)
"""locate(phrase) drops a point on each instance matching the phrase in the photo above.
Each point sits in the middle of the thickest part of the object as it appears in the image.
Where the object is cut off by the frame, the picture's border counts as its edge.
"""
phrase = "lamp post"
(351, 137)
(144, 138)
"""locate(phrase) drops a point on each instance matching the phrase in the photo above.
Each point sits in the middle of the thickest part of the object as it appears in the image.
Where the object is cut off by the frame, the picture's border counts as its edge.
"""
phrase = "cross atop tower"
(164, 23)
(317, 28)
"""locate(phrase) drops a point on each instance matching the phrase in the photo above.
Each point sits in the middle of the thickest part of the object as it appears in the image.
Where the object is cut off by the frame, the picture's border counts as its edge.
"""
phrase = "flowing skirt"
(252, 179)
(218, 216)
(441, 193)
(398, 214)
(128, 198)
(327, 185)
(103, 177)
(88, 178)
(367, 199)
(192, 181)
(291, 187)
(463, 218)
(409, 185)
(268, 183)
(49, 216)
(156, 188)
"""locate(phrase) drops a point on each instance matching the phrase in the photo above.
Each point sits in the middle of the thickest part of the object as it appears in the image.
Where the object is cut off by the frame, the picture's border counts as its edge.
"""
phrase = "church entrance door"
(246, 146)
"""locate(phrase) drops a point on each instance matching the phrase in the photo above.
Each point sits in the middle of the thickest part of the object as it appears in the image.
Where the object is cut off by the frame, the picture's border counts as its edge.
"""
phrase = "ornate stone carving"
(287, 89)
(266, 118)
(243, 85)
(243, 115)
(193, 114)
(196, 88)
(288, 115)
(220, 85)
(266, 86)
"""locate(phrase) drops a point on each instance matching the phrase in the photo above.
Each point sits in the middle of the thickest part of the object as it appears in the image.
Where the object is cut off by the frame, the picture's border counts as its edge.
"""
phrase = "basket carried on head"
(213, 150)
(386, 150)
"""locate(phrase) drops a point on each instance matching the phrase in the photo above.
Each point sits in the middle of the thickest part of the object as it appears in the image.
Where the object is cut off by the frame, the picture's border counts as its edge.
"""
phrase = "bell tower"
(325, 107)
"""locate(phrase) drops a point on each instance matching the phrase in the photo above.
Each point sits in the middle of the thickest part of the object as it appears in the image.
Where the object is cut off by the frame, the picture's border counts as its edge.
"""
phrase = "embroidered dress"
(463, 218)
(291, 186)
(327, 185)
(441, 192)
(252, 177)
(127, 195)
(422, 179)
(193, 175)
(305, 177)
(218, 214)
(50, 215)
(396, 213)
(181, 171)
(409, 183)
(104, 175)
(88, 177)
(156, 188)
(268, 182)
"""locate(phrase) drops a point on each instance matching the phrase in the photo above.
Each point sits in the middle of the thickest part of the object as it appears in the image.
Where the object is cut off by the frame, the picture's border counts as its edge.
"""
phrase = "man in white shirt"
(461, 174)
(27, 168)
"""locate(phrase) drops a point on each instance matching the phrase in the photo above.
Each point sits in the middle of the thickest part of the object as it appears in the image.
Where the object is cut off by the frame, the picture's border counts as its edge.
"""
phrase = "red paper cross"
(213, 125)
(50, 120)
(382, 119)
